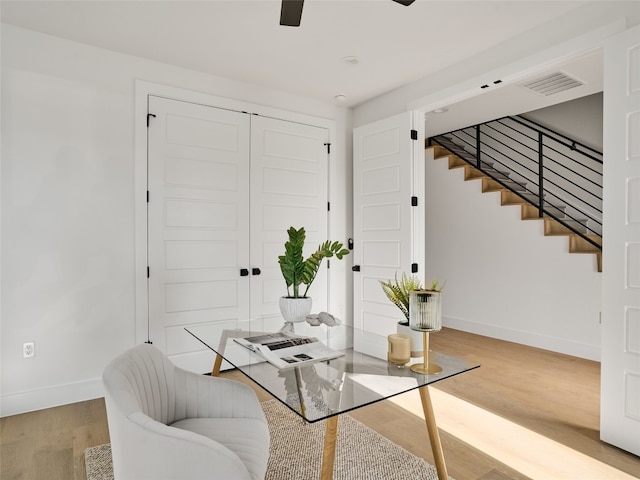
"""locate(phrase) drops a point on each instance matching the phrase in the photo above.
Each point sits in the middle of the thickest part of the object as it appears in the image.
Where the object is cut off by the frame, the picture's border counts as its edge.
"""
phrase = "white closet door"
(620, 392)
(384, 220)
(289, 185)
(198, 224)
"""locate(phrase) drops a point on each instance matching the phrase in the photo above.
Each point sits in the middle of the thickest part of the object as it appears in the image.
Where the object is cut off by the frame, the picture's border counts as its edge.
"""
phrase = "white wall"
(562, 119)
(68, 207)
(505, 279)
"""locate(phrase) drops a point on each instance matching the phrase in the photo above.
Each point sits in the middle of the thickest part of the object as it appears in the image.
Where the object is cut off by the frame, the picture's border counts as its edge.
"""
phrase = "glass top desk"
(326, 389)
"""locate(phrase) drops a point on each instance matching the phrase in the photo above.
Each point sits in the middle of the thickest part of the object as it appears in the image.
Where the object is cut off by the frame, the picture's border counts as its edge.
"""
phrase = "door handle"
(255, 271)
(244, 272)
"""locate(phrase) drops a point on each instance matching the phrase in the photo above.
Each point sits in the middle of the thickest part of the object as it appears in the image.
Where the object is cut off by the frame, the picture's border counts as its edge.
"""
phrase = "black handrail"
(574, 143)
(564, 178)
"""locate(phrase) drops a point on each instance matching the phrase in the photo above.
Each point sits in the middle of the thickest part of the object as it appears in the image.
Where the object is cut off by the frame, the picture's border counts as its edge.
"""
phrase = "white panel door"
(387, 237)
(289, 187)
(198, 224)
(620, 371)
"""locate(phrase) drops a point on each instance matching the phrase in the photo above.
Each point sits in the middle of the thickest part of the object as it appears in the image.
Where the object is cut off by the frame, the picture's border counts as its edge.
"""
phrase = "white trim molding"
(21, 402)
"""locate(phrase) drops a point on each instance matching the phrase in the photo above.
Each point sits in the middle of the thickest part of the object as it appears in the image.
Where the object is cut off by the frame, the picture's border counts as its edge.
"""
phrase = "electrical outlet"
(28, 349)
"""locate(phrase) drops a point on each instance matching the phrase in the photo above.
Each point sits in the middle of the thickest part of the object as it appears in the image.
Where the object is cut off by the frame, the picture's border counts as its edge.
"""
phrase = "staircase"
(551, 177)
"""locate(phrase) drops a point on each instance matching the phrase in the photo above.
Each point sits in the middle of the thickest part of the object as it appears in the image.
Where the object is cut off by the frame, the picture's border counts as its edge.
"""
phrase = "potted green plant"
(298, 271)
(398, 291)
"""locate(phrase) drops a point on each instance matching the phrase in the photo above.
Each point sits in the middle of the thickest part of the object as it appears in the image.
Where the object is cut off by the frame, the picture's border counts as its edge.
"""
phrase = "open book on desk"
(287, 350)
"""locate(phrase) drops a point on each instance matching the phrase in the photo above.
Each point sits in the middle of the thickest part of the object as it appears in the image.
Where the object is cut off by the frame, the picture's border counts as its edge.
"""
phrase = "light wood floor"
(554, 395)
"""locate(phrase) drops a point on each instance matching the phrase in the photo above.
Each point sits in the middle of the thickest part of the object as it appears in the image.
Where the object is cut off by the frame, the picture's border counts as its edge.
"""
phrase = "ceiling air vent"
(552, 84)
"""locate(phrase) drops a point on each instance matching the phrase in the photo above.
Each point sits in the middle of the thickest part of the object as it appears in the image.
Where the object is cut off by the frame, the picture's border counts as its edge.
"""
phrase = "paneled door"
(388, 211)
(224, 187)
(289, 187)
(198, 224)
(620, 390)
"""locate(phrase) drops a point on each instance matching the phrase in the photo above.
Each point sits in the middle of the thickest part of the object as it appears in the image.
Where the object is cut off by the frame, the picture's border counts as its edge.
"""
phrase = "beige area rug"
(296, 452)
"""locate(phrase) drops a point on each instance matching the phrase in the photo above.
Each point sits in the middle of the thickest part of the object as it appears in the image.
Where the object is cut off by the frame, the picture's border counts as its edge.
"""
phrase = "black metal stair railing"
(558, 175)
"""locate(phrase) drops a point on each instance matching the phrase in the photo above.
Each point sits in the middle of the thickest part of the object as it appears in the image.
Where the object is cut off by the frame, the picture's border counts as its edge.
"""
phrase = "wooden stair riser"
(577, 244)
(553, 227)
(507, 197)
(530, 212)
(490, 185)
(438, 151)
(471, 173)
(456, 162)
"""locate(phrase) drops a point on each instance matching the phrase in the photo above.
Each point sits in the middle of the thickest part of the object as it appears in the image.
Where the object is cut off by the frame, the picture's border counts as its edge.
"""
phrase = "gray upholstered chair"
(167, 423)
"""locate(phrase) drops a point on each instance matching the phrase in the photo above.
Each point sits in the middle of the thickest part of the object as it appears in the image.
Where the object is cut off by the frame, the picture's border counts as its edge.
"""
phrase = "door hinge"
(414, 268)
(148, 271)
(328, 145)
(414, 134)
(328, 264)
(328, 206)
(149, 115)
(147, 196)
(414, 201)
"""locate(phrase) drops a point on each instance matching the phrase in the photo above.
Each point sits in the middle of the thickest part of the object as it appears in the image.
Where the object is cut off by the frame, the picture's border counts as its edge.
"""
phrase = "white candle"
(399, 349)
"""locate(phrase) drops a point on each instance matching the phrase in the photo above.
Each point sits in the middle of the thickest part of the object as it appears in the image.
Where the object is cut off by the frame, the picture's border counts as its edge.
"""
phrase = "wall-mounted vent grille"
(552, 84)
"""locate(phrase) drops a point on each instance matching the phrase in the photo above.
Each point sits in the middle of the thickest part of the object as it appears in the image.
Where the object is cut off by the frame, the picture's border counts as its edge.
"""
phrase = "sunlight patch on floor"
(527, 452)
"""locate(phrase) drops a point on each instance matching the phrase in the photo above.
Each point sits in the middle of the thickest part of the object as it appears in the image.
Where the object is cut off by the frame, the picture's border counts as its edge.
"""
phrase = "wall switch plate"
(29, 350)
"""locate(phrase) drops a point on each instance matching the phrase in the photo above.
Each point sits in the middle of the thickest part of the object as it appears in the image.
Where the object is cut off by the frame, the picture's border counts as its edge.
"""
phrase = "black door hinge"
(328, 145)
(414, 201)
(414, 134)
(149, 342)
(414, 268)
(328, 206)
(147, 196)
(149, 115)
(147, 271)
(355, 268)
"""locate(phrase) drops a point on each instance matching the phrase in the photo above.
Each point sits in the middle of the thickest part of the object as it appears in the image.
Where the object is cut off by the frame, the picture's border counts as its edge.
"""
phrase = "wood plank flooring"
(553, 395)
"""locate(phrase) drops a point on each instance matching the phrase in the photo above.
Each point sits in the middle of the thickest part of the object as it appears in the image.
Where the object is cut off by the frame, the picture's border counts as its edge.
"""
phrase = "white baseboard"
(532, 339)
(15, 403)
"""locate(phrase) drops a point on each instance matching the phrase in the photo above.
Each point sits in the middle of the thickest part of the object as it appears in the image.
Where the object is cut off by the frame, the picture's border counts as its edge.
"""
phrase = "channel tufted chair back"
(168, 423)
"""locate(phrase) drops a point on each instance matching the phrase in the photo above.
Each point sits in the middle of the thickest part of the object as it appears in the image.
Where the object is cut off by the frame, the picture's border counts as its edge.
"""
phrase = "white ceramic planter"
(295, 309)
(416, 338)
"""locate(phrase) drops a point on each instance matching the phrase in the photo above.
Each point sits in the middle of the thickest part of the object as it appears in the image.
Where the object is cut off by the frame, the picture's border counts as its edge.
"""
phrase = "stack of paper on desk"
(286, 350)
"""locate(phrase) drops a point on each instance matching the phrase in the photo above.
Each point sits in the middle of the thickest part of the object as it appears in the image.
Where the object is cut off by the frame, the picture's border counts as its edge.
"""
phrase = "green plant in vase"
(398, 291)
(300, 272)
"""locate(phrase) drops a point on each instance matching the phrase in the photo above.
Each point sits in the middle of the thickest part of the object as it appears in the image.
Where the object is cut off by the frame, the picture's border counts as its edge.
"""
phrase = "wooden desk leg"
(329, 452)
(216, 366)
(434, 436)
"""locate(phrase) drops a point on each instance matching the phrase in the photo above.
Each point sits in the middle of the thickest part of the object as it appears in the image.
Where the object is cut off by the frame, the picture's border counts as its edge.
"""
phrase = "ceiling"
(241, 39)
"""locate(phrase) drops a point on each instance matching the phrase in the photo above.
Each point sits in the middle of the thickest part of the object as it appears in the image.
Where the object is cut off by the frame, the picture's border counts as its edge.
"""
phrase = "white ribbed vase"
(416, 338)
(295, 309)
